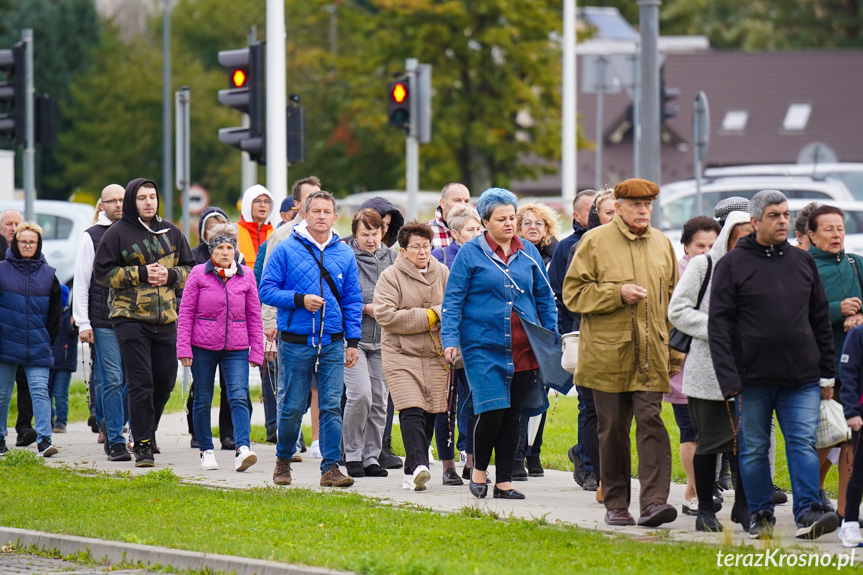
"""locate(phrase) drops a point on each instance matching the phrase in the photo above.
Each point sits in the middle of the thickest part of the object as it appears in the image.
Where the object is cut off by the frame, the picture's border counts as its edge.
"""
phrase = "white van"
(62, 224)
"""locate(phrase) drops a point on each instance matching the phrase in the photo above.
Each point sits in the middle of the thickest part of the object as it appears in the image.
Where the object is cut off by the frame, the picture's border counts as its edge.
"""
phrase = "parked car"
(62, 225)
(850, 173)
(677, 200)
(853, 224)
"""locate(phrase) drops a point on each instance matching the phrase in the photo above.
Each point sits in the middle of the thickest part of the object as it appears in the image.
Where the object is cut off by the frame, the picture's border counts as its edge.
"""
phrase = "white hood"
(302, 229)
(720, 247)
(249, 195)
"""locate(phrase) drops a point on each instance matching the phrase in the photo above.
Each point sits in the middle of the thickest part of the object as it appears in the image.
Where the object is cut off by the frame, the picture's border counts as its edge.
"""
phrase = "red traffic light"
(238, 78)
(400, 93)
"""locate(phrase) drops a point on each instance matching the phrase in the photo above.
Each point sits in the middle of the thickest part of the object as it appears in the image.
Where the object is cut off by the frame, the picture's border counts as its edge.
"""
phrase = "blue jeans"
(269, 376)
(37, 378)
(298, 361)
(235, 367)
(111, 384)
(58, 391)
(797, 410)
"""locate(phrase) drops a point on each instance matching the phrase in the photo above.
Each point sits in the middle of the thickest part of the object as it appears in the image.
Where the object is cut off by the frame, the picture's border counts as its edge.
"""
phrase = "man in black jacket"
(771, 342)
(144, 259)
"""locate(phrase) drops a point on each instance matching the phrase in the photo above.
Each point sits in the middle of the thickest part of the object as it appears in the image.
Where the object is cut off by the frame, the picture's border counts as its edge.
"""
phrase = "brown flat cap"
(635, 188)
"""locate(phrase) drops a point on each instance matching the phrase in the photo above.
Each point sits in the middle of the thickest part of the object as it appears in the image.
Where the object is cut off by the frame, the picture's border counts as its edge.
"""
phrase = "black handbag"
(677, 340)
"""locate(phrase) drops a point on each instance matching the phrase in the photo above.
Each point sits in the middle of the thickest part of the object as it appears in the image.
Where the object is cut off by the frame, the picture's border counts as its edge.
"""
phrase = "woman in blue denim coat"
(496, 283)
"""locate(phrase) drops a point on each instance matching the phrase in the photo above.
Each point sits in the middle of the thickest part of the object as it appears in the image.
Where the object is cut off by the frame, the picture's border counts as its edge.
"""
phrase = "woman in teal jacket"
(497, 282)
(840, 274)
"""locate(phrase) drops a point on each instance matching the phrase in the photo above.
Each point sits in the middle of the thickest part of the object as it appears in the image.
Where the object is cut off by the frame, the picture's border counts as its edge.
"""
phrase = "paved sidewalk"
(556, 497)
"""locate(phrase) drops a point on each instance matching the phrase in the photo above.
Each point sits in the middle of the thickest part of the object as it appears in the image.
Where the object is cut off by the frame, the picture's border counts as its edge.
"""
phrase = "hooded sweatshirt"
(121, 262)
(251, 235)
(384, 207)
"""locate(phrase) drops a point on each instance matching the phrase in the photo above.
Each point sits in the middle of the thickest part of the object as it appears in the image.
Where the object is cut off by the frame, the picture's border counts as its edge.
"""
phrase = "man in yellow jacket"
(620, 280)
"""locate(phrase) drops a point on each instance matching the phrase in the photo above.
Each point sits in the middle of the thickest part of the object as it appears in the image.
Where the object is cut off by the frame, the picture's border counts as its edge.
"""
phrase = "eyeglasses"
(28, 244)
(538, 224)
(109, 202)
(263, 201)
(422, 248)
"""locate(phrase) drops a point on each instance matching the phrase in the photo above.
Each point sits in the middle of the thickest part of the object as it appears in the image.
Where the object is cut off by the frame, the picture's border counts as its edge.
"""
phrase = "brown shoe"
(619, 517)
(296, 458)
(334, 478)
(599, 497)
(282, 474)
(656, 514)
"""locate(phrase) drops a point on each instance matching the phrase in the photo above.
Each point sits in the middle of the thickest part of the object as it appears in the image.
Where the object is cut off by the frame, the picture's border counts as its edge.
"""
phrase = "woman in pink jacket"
(220, 325)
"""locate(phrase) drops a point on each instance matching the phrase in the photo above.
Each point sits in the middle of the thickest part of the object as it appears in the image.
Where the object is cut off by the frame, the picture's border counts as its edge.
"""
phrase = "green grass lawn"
(561, 431)
(336, 530)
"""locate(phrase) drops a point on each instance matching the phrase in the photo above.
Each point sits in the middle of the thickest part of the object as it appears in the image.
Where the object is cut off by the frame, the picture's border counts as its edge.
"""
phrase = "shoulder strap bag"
(677, 340)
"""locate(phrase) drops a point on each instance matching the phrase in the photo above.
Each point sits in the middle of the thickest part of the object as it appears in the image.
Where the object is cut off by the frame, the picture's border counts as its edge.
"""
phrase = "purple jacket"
(220, 315)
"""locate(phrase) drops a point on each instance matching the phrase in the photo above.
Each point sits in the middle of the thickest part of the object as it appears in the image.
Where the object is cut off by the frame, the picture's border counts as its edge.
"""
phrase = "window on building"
(797, 117)
(735, 120)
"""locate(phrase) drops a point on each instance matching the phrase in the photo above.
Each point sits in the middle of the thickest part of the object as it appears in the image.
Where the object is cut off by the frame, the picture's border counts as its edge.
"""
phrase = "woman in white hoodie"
(715, 428)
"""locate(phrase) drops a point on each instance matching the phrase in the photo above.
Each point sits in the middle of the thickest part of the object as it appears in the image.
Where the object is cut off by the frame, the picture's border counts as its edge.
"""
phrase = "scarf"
(225, 273)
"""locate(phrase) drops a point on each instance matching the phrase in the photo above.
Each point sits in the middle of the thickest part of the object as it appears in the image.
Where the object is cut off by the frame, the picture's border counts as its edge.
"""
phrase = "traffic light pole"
(30, 146)
(650, 142)
(277, 128)
(412, 146)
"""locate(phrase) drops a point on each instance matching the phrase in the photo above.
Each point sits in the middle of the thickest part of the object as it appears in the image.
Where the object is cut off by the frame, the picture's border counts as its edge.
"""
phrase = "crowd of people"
(438, 322)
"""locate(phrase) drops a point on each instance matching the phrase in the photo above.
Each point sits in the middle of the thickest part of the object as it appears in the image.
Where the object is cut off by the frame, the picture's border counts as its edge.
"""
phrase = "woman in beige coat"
(407, 305)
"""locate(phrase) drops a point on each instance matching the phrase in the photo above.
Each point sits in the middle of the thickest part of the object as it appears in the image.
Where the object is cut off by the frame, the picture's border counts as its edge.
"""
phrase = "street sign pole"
(650, 138)
(182, 151)
(600, 90)
(29, 115)
(701, 138)
(412, 146)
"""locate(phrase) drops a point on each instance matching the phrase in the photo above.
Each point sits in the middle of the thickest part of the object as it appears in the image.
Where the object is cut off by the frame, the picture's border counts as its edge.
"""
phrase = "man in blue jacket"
(313, 282)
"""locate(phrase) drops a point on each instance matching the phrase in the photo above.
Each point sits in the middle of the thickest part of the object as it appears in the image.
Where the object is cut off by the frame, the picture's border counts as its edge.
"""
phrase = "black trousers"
(499, 430)
(591, 435)
(25, 403)
(149, 354)
(417, 428)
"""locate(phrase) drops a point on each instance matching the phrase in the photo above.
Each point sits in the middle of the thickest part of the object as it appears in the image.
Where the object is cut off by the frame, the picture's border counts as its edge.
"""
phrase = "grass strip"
(337, 530)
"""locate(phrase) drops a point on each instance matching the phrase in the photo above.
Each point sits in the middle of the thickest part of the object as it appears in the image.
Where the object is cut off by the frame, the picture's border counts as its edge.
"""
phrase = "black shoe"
(93, 423)
(762, 525)
(303, 447)
(707, 521)
(826, 504)
(815, 522)
(375, 470)
(578, 467)
(506, 493)
(534, 466)
(228, 444)
(3, 449)
(779, 496)
(118, 452)
(273, 438)
(591, 482)
(519, 473)
(193, 443)
(355, 469)
(144, 454)
(478, 490)
(104, 429)
(465, 473)
(450, 477)
(26, 436)
(45, 449)
(717, 493)
(388, 459)
(740, 514)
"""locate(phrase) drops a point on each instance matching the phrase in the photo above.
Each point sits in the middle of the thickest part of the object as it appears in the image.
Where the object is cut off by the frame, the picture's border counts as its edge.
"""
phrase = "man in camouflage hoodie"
(144, 259)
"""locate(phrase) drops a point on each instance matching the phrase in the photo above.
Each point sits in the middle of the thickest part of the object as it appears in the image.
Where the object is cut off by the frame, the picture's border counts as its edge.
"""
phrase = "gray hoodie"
(699, 377)
(371, 265)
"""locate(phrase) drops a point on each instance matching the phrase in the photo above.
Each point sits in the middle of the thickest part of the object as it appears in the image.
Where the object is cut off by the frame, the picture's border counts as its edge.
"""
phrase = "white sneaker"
(431, 456)
(245, 458)
(408, 483)
(420, 477)
(208, 460)
(462, 457)
(315, 450)
(849, 534)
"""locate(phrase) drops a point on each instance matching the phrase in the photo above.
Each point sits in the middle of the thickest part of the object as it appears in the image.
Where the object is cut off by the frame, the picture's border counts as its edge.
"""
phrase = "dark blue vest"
(25, 294)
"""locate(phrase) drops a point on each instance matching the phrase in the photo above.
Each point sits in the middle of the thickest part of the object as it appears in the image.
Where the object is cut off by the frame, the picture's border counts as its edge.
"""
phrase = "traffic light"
(245, 93)
(12, 93)
(399, 103)
(666, 95)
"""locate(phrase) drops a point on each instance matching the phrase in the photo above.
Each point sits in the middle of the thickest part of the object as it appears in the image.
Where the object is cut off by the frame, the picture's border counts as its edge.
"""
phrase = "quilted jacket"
(291, 272)
(219, 315)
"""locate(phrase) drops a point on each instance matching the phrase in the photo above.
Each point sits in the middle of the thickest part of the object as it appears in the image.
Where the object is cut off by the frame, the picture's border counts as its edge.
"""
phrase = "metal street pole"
(167, 192)
(650, 144)
(412, 146)
(636, 97)
(568, 162)
(600, 90)
(29, 118)
(277, 121)
(184, 174)
(248, 167)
